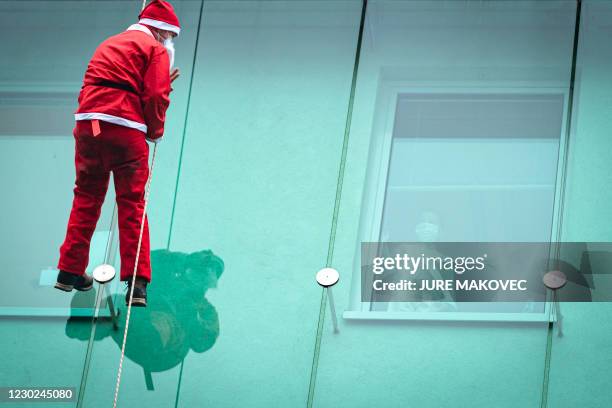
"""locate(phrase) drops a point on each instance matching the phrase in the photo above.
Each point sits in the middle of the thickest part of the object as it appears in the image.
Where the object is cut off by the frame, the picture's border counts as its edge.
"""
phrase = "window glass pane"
(481, 167)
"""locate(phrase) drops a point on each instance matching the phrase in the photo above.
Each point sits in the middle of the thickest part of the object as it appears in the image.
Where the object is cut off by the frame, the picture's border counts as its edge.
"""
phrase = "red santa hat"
(160, 14)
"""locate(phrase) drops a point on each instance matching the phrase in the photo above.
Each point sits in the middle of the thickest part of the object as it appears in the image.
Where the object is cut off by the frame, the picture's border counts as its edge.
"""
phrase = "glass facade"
(297, 130)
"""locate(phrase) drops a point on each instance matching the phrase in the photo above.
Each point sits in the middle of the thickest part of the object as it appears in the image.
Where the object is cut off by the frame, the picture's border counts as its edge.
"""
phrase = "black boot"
(139, 298)
(67, 281)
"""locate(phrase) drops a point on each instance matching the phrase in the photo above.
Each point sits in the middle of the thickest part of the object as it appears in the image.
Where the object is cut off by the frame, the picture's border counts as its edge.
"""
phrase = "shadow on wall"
(178, 317)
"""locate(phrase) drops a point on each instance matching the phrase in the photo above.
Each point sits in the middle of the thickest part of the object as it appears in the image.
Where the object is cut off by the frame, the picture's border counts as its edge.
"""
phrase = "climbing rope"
(129, 308)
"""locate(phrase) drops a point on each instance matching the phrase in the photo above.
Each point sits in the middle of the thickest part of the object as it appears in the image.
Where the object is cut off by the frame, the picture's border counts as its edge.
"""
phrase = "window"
(463, 165)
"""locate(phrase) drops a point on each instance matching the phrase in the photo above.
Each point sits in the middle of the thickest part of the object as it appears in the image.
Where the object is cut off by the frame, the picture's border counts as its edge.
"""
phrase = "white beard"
(169, 45)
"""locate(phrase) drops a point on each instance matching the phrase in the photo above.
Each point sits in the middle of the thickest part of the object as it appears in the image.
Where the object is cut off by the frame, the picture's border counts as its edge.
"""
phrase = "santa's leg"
(89, 191)
(130, 182)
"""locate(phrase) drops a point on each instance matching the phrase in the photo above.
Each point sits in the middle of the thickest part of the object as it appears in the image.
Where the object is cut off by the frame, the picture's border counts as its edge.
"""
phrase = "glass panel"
(40, 77)
(459, 112)
(156, 343)
(233, 303)
(580, 356)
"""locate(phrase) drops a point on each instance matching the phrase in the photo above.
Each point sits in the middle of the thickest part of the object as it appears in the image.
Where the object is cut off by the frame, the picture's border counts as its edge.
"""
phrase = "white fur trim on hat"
(160, 24)
(140, 27)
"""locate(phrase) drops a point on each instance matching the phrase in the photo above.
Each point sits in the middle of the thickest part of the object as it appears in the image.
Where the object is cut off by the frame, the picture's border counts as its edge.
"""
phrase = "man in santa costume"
(122, 102)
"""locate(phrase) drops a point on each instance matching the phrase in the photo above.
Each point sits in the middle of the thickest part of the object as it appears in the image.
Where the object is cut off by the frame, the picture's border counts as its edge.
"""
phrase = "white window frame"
(375, 190)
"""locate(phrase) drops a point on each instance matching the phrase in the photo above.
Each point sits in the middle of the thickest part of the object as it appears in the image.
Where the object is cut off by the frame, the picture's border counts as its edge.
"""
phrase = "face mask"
(427, 232)
(169, 45)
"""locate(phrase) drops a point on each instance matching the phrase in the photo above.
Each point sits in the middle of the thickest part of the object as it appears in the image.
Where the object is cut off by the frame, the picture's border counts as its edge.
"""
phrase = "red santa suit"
(123, 100)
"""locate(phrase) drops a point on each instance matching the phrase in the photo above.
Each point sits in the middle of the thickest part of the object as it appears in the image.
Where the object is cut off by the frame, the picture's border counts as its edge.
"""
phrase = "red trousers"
(124, 152)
